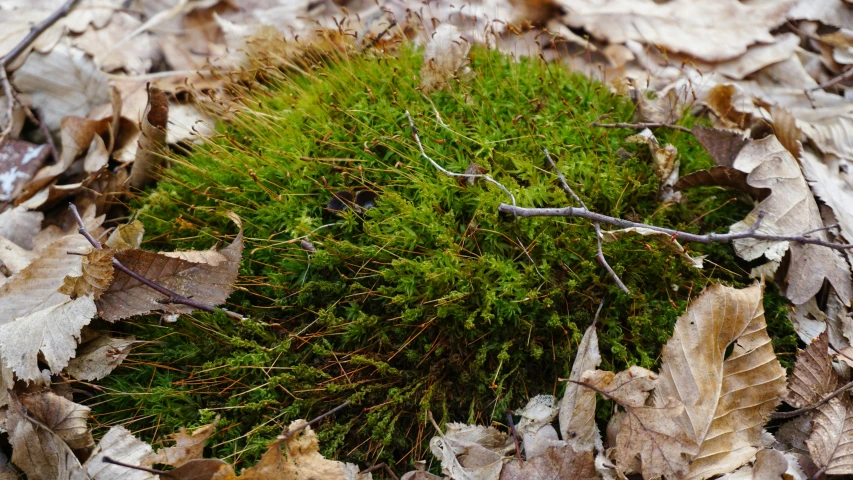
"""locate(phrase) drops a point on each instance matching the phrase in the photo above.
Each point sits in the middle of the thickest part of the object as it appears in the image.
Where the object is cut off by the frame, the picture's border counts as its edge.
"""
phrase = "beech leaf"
(97, 358)
(187, 446)
(831, 441)
(813, 377)
(577, 408)
(68, 420)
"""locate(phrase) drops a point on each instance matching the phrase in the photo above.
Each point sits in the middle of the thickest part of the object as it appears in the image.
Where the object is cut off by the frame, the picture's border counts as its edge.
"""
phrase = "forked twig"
(171, 297)
(600, 254)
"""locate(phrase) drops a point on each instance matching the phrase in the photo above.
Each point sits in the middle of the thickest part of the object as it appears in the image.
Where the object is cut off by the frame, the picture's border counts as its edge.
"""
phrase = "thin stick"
(641, 125)
(598, 311)
(600, 254)
(137, 467)
(813, 406)
(514, 437)
(379, 466)
(676, 234)
(832, 81)
(35, 32)
(171, 297)
(291, 433)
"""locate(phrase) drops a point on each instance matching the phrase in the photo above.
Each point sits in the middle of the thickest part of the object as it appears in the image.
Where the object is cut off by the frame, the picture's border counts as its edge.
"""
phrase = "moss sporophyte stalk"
(422, 298)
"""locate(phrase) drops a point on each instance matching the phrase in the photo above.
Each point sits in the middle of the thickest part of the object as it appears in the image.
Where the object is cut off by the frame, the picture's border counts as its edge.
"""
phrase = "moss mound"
(427, 300)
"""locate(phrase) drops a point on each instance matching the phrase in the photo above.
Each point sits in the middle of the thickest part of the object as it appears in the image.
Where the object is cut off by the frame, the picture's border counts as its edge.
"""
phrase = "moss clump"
(426, 301)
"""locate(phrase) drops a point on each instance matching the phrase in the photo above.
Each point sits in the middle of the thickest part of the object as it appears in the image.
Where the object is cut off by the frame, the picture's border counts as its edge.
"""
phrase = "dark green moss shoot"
(426, 301)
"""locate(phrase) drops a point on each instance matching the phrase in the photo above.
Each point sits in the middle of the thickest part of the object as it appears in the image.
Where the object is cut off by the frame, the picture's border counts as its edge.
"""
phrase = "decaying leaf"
(119, 444)
(721, 176)
(19, 161)
(769, 464)
(97, 358)
(557, 462)
(813, 377)
(831, 441)
(152, 139)
(95, 276)
(203, 282)
(20, 226)
(187, 446)
(666, 239)
(68, 420)
(577, 408)
(665, 162)
(726, 400)
(723, 145)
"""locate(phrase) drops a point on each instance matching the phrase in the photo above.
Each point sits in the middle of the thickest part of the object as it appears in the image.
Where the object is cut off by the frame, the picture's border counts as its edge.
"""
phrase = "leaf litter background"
(97, 95)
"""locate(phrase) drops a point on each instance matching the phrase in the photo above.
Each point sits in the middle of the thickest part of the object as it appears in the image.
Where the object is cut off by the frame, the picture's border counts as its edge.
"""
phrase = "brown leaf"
(726, 101)
(152, 139)
(187, 446)
(119, 444)
(20, 226)
(722, 145)
(19, 161)
(97, 358)
(126, 237)
(813, 377)
(577, 408)
(68, 420)
(726, 400)
(831, 441)
(792, 210)
(557, 462)
(96, 275)
(203, 282)
(721, 176)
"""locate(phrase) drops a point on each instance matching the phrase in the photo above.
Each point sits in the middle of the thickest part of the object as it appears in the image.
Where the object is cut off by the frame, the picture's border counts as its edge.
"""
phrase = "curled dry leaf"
(210, 284)
(577, 408)
(97, 358)
(723, 145)
(721, 176)
(152, 138)
(813, 377)
(68, 420)
(187, 446)
(126, 237)
(665, 163)
(95, 276)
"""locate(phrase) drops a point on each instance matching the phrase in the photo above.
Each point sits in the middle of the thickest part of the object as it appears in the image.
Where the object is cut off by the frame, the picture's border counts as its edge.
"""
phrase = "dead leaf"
(20, 226)
(119, 444)
(187, 446)
(126, 236)
(831, 441)
(152, 139)
(97, 358)
(664, 238)
(19, 161)
(665, 162)
(203, 282)
(769, 465)
(813, 377)
(723, 145)
(792, 209)
(557, 462)
(721, 176)
(95, 276)
(726, 400)
(68, 420)
(577, 408)
(830, 12)
(135, 58)
(711, 31)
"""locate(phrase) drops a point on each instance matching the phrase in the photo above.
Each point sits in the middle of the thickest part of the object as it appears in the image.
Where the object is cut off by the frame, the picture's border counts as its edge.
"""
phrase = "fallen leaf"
(126, 236)
(135, 58)
(727, 399)
(830, 12)
(97, 358)
(813, 377)
(119, 444)
(20, 226)
(722, 145)
(202, 282)
(152, 139)
(792, 209)
(577, 408)
(711, 31)
(721, 176)
(831, 441)
(793, 434)
(759, 56)
(19, 161)
(769, 465)
(68, 420)
(556, 463)
(94, 277)
(187, 446)
(665, 163)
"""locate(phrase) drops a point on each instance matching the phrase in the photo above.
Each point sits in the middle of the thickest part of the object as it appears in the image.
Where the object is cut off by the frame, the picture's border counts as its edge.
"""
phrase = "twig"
(379, 466)
(598, 311)
(600, 254)
(171, 297)
(514, 437)
(676, 234)
(641, 125)
(35, 32)
(137, 467)
(800, 411)
(832, 81)
(291, 433)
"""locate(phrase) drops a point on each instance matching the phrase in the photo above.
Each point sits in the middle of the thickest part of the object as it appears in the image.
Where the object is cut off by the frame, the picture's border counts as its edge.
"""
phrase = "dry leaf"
(203, 282)
(792, 435)
(831, 441)
(187, 446)
(152, 139)
(20, 226)
(665, 163)
(831, 12)
(721, 176)
(792, 209)
(726, 400)
(668, 240)
(769, 465)
(723, 145)
(445, 56)
(63, 82)
(119, 444)
(134, 58)
(759, 56)
(97, 358)
(94, 277)
(711, 31)
(813, 377)
(577, 408)
(556, 463)
(68, 420)
(53, 331)
(19, 161)
(126, 237)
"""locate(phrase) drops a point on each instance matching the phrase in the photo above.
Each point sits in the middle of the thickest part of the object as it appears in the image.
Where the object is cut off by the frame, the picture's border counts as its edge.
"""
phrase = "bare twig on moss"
(290, 433)
(707, 238)
(800, 411)
(600, 254)
(171, 297)
(641, 126)
(137, 467)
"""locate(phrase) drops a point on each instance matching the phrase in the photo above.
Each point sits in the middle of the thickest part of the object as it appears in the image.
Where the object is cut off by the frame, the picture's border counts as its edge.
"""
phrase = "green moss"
(426, 301)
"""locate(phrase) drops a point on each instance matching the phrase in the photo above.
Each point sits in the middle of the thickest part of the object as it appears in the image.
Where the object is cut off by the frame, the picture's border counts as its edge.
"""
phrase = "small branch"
(813, 406)
(832, 81)
(514, 437)
(600, 254)
(137, 467)
(641, 126)
(676, 234)
(291, 433)
(598, 311)
(35, 32)
(171, 297)
(380, 466)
